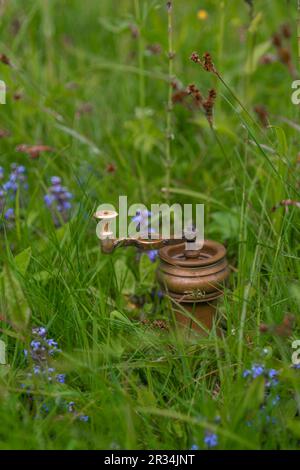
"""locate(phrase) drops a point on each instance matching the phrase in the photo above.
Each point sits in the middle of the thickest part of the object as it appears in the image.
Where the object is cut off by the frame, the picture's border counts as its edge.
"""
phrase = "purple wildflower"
(272, 373)
(257, 370)
(40, 331)
(71, 406)
(35, 345)
(8, 189)
(152, 255)
(194, 447)
(83, 418)
(49, 199)
(51, 343)
(142, 218)
(9, 214)
(58, 200)
(61, 378)
(55, 180)
(36, 370)
(210, 439)
(246, 373)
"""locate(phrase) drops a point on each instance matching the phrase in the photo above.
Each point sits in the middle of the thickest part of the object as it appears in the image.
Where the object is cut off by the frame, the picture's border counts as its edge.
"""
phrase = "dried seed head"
(286, 31)
(285, 55)
(4, 59)
(276, 39)
(4, 133)
(110, 168)
(160, 324)
(267, 59)
(195, 58)
(154, 49)
(208, 105)
(263, 328)
(208, 63)
(169, 6)
(193, 91)
(179, 96)
(286, 203)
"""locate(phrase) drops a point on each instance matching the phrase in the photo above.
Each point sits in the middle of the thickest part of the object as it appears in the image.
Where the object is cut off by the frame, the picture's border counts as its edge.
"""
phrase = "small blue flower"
(10, 186)
(246, 373)
(194, 447)
(58, 199)
(71, 406)
(55, 180)
(40, 331)
(36, 370)
(66, 205)
(49, 199)
(54, 351)
(35, 345)
(20, 169)
(83, 418)
(61, 378)
(9, 214)
(257, 370)
(57, 189)
(211, 439)
(273, 373)
(52, 343)
(152, 255)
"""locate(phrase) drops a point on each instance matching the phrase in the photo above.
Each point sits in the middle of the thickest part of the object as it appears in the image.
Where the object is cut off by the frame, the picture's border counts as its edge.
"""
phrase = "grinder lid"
(177, 255)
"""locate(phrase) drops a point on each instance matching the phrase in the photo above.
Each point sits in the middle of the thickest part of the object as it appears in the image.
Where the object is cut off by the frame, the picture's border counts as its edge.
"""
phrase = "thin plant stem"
(142, 99)
(169, 135)
(220, 44)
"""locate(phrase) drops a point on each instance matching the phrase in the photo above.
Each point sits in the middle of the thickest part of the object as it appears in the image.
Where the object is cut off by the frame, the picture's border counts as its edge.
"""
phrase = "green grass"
(143, 388)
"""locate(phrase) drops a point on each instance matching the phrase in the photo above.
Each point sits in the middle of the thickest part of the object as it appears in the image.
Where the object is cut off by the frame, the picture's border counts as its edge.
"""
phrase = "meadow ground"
(87, 92)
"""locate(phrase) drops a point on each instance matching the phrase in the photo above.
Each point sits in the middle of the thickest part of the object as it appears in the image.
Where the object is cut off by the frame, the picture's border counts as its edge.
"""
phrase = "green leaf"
(225, 224)
(17, 306)
(44, 276)
(255, 23)
(124, 277)
(147, 271)
(254, 397)
(22, 260)
(282, 146)
(294, 427)
(258, 52)
(115, 315)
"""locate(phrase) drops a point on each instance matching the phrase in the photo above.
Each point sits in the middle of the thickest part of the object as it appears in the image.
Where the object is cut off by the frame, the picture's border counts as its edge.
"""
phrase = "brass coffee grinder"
(193, 278)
